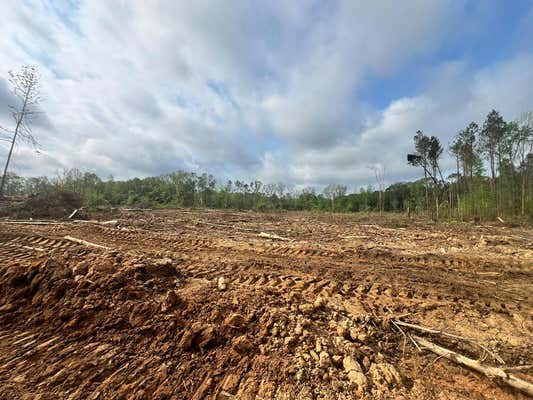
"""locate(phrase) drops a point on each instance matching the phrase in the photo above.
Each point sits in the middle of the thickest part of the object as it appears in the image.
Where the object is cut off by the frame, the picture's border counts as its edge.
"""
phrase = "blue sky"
(300, 92)
(499, 31)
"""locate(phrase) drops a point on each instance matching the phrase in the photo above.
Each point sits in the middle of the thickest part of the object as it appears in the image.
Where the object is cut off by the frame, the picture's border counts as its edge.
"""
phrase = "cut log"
(490, 372)
(31, 222)
(272, 236)
(86, 221)
(112, 222)
(86, 243)
(518, 368)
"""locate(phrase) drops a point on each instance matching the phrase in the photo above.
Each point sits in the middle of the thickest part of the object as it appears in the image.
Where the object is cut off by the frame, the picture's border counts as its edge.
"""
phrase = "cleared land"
(227, 305)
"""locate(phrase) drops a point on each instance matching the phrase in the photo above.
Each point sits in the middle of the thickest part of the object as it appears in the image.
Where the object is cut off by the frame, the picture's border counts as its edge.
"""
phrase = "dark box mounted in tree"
(413, 158)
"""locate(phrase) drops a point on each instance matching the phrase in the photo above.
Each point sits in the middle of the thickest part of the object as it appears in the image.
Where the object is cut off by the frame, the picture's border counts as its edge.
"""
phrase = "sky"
(302, 92)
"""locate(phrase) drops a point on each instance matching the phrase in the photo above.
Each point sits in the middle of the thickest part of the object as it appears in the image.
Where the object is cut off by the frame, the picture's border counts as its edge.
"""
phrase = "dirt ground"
(188, 304)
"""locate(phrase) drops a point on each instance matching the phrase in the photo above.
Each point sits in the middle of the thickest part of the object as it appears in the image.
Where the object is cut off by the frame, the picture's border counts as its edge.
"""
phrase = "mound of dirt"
(57, 204)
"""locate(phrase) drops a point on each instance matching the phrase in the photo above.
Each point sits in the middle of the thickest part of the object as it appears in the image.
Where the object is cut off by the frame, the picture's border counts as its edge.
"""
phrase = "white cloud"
(250, 90)
(453, 98)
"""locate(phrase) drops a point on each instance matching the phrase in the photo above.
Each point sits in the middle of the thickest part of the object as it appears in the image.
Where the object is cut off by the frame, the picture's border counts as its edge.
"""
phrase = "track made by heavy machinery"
(227, 305)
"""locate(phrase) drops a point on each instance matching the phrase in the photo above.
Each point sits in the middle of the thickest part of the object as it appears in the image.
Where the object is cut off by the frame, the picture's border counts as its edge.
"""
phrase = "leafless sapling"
(26, 88)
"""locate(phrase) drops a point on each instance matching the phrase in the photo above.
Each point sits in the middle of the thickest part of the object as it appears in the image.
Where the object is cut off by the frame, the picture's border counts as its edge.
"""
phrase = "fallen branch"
(272, 236)
(405, 336)
(490, 372)
(73, 213)
(518, 368)
(450, 335)
(86, 243)
(31, 223)
(112, 222)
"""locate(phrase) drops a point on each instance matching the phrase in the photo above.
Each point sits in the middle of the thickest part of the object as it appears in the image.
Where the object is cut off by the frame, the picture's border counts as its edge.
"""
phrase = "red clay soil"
(225, 305)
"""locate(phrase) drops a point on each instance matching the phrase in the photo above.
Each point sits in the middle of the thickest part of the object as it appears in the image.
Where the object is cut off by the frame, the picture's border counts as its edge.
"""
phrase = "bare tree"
(26, 88)
(379, 173)
(524, 148)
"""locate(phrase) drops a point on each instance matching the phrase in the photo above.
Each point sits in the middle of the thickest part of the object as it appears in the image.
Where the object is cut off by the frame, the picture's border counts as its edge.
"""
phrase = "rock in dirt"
(198, 335)
(160, 267)
(358, 380)
(306, 308)
(320, 302)
(356, 376)
(222, 284)
(242, 345)
(170, 300)
(350, 364)
(358, 336)
(324, 360)
(81, 268)
(384, 375)
(236, 321)
(337, 360)
(290, 341)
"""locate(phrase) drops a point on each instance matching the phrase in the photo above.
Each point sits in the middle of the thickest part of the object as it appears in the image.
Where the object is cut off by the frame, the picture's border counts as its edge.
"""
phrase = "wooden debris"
(490, 372)
(86, 221)
(272, 236)
(31, 222)
(518, 368)
(450, 335)
(86, 243)
(112, 222)
(73, 213)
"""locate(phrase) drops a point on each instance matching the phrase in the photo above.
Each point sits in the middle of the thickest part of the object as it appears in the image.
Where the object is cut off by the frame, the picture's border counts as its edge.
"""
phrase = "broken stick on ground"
(273, 236)
(490, 372)
(86, 243)
(450, 335)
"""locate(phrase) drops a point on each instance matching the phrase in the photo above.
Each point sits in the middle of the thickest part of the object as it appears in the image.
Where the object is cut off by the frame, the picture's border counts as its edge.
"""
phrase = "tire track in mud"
(389, 298)
(201, 248)
(72, 369)
(383, 299)
(192, 242)
(25, 247)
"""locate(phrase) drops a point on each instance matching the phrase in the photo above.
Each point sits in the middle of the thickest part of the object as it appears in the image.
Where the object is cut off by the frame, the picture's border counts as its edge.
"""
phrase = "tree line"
(504, 149)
